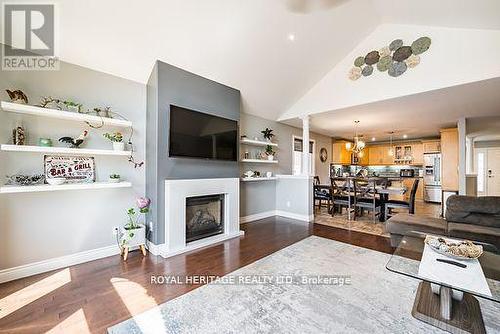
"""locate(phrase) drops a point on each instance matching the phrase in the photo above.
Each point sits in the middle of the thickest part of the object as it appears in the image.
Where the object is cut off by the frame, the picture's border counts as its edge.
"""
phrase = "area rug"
(364, 224)
(370, 299)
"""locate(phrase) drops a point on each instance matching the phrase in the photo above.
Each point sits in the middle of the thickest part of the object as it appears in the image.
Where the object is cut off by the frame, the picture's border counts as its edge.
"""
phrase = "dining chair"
(365, 197)
(341, 190)
(397, 204)
(321, 194)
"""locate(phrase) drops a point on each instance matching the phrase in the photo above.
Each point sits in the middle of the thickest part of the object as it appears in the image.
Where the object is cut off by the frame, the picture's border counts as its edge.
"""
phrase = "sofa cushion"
(484, 211)
(490, 235)
(405, 224)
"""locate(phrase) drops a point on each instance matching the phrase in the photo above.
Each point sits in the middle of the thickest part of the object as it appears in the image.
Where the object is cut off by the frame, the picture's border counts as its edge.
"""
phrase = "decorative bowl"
(56, 181)
(459, 250)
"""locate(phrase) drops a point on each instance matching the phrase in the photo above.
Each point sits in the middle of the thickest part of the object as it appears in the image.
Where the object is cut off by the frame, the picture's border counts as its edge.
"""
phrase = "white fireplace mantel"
(176, 192)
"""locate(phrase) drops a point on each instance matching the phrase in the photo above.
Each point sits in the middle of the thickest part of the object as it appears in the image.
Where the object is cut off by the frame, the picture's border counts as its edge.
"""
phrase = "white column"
(306, 161)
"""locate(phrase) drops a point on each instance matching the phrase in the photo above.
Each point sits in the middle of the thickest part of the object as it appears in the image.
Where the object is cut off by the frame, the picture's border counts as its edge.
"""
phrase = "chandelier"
(359, 144)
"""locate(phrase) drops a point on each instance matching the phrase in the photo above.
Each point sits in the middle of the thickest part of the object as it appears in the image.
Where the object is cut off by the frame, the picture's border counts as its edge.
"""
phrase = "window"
(297, 156)
(480, 172)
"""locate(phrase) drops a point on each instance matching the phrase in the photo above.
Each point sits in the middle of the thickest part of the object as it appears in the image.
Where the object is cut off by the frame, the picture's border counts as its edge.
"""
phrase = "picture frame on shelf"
(74, 169)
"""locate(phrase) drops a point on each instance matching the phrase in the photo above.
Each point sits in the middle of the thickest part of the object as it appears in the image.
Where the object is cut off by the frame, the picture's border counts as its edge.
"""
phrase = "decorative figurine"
(75, 142)
(17, 96)
(48, 101)
(18, 136)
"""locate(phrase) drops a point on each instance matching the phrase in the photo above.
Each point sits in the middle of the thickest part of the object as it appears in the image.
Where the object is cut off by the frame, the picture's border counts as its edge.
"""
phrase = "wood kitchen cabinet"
(340, 154)
(432, 146)
(379, 155)
(408, 183)
(417, 153)
(449, 159)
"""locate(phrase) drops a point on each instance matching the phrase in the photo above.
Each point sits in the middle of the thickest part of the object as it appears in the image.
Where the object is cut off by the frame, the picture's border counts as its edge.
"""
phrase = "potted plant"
(117, 139)
(134, 233)
(270, 152)
(268, 134)
(114, 178)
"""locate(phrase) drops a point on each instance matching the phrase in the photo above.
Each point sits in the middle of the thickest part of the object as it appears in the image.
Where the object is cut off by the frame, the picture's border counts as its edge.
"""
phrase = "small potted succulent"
(133, 233)
(117, 139)
(114, 178)
(270, 152)
(268, 134)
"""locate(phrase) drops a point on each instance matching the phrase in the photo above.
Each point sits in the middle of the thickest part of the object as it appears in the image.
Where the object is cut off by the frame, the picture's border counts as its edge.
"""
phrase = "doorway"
(488, 171)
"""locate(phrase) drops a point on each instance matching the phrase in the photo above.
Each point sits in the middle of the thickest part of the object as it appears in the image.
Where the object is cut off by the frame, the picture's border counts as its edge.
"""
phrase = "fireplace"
(204, 216)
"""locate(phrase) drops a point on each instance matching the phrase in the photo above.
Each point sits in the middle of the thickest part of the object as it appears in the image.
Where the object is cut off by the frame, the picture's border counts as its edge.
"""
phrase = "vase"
(270, 157)
(119, 146)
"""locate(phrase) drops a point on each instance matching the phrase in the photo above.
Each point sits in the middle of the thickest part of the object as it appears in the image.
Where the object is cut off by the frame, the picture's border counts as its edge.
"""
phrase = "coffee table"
(445, 304)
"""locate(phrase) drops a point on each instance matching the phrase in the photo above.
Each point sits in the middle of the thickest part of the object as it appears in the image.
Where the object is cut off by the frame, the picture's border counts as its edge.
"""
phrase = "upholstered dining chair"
(396, 204)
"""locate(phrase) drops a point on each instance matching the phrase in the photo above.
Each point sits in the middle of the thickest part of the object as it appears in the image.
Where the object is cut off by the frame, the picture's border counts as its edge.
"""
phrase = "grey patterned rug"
(371, 300)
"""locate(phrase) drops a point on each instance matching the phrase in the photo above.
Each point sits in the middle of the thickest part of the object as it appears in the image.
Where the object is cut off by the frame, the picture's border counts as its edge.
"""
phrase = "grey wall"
(40, 226)
(171, 85)
(258, 197)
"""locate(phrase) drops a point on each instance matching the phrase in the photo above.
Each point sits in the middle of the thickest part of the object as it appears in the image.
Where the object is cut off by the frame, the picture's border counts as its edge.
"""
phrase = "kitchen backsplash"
(383, 171)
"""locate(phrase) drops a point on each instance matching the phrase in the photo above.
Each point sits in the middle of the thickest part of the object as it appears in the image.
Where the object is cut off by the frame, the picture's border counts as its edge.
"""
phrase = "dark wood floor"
(93, 296)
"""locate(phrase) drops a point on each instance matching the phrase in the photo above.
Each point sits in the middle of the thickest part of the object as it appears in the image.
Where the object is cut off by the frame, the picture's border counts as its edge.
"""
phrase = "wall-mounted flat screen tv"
(194, 134)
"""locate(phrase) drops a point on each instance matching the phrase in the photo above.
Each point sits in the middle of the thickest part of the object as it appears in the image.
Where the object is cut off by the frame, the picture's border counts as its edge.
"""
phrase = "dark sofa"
(472, 218)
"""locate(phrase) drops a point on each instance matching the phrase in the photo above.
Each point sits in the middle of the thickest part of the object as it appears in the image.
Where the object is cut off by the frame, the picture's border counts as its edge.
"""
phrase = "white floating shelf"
(61, 150)
(255, 179)
(260, 161)
(61, 114)
(48, 187)
(257, 142)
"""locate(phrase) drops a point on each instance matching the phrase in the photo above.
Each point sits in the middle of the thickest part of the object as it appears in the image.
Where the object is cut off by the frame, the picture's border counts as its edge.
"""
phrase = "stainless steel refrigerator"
(432, 177)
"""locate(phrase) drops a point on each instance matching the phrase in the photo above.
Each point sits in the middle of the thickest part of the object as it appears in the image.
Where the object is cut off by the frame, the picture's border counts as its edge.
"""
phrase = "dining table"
(382, 189)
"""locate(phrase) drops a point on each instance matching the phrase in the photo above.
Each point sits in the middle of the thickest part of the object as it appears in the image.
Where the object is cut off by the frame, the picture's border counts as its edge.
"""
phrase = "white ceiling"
(241, 43)
(417, 116)
(244, 43)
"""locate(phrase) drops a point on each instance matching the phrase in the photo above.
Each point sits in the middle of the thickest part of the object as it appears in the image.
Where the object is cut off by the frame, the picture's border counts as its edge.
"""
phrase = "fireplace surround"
(209, 206)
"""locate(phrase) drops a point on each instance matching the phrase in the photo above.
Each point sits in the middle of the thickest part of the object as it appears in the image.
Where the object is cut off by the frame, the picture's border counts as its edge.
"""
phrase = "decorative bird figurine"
(17, 96)
(75, 142)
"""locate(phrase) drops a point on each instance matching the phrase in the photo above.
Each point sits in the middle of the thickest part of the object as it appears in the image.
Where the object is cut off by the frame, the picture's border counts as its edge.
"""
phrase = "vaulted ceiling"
(273, 51)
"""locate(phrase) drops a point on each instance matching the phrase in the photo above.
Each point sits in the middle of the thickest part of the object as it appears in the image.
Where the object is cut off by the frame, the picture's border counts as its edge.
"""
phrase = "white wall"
(456, 56)
(41, 226)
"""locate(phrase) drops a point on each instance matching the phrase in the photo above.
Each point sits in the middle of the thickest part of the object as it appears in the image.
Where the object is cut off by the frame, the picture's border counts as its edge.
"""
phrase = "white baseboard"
(295, 216)
(31, 269)
(257, 216)
(280, 213)
(152, 248)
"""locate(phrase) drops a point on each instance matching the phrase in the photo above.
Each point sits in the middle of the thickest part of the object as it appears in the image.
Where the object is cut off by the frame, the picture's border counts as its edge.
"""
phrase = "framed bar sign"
(74, 169)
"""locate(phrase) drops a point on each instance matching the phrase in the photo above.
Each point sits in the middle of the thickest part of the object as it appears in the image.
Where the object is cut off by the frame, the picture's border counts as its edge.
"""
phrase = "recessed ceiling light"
(291, 37)
(373, 138)
(405, 136)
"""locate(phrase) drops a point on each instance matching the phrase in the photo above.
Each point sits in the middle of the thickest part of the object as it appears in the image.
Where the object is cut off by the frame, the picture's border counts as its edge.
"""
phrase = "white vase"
(118, 146)
(138, 238)
(270, 157)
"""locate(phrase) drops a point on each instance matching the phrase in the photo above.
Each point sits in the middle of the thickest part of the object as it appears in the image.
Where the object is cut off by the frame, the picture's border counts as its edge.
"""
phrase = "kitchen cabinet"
(418, 154)
(379, 155)
(340, 154)
(432, 146)
(449, 159)
(364, 159)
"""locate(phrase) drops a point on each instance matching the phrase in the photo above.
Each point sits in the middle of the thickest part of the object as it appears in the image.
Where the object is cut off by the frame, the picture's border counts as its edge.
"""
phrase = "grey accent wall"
(259, 197)
(171, 85)
(40, 226)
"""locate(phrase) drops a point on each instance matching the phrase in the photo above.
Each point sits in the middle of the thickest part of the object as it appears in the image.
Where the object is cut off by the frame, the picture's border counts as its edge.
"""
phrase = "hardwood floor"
(92, 296)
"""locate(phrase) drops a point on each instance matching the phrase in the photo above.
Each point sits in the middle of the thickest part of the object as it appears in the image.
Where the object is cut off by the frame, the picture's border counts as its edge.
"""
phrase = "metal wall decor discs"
(421, 45)
(397, 68)
(402, 53)
(372, 58)
(383, 63)
(396, 44)
(367, 70)
(360, 61)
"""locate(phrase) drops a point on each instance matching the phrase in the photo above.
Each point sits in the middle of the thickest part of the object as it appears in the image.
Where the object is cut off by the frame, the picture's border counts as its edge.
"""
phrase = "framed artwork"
(323, 154)
(74, 169)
